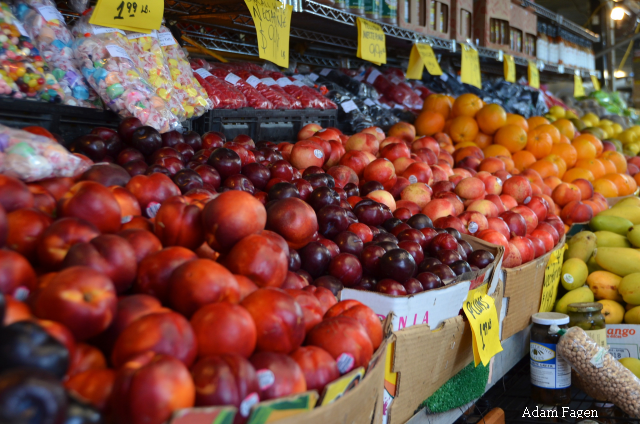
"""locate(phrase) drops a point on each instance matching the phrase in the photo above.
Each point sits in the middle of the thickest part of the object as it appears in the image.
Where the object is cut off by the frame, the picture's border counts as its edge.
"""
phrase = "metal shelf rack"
(559, 19)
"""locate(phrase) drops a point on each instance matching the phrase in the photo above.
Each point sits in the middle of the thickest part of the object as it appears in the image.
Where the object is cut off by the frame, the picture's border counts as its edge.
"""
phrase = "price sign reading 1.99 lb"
(482, 314)
(470, 72)
(140, 15)
(273, 25)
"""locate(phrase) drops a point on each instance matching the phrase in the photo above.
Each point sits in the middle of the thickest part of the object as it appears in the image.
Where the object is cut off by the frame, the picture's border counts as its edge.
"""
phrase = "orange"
(463, 128)
(575, 173)
(438, 103)
(564, 140)
(545, 168)
(560, 163)
(567, 152)
(513, 137)
(429, 123)
(633, 185)
(482, 140)
(593, 140)
(636, 178)
(539, 144)
(609, 167)
(490, 118)
(623, 183)
(552, 182)
(467, 104)
(605, 187)
(523, 159)
(465, 144)
(508, 163)
(565, 127)
(584, 148)
(535, 121)
(595, 166)
(496, 150)
(513, 119)
(618, 160)
(451, 99)
(549, 129)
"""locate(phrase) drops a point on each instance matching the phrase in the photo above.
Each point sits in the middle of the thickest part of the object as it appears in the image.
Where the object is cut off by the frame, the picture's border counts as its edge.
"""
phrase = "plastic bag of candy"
(253, 96)
(307, 95)
(46, 28)
(395, 90)
(227, 96)
(31, 157)
(273, 85)
(278, 100)
(101, 54)
(197, 101)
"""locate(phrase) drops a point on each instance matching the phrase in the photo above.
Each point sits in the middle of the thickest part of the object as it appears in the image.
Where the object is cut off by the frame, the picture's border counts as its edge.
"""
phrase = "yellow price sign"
(596, 82)
(139, 15)
(509, 68)
(578, 88)
(272, 20)
(422, 55)
(371, 42)
(470, 72)
(482, 314)
(534, 75)
(551, 280)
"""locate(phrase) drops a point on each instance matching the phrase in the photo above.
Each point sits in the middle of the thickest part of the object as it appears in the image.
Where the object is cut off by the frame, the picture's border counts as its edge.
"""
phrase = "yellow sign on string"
(578, 88)
(470, 72)
(534, 75)
(482, 314)
(371, 42)
(422, 55)
(596, 82)
(551, 280)
(140, 15)
(509, 68)
(272, 20)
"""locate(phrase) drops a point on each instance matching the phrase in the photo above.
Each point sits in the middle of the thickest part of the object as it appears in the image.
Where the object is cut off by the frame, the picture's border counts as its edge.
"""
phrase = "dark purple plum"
(146, 139)
(126, 128)
(152, 169)
(127, 155)
(480, 258)
(369, 258)
(413, 235)
(390, 286)
(172, 139)
(466, 246)
(333, 248)
(201, 156)
(332, 220)
(257, 173)
(369, 187)
(209, 175)
(281, 169)
(385, 237)
(225, 161)
(187, 179)
(90, 145)
(387, 245)
(164, 152)
(239, 182)
(420, 221)
(349, 242)
(315, 258)
(311, 170)
(447, 256)
(136, 167)
(460, 267)
(193, 139)
(186, 151)
(352, 190)
(413, 248)
(329, 282)
(413, 286)
(366, 283)
(397, 264)
(391, 223)
(294, 260)
(442, 241)
(346, 268)
(444, 272)
(283, 191)
(455, 233)
(114, 146)
(323, 196)
(427, 264)
(429, 280)
(369, 213)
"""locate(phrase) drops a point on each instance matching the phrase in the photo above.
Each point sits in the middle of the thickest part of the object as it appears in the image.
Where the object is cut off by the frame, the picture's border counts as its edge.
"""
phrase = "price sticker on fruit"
(551, 280)
(272, 20)
(371, 42)
(482, 314)
(139, 15)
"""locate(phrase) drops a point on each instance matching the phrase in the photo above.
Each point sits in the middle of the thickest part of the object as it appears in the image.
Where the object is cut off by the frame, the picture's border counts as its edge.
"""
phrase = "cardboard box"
(433, 306)
(425, 359)
(484, 11)
(624, 340)
(523, 289)
(462, 20)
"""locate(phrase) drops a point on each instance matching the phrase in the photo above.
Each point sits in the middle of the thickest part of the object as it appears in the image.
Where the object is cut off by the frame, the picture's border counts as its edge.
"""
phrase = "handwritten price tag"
(273, 26)
(139, 15)
(470, 72)
(509, 68)
(371, 42)
(422, 55)
(596, 82)
(551, 280)
(534, 75)
(578, 88)
(481, 312)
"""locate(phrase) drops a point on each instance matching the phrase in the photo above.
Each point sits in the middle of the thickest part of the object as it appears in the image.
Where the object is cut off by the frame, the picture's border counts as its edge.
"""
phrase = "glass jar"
(588, 316)
(389, 14)
(372, 9)
(550, 374)
(356, 7)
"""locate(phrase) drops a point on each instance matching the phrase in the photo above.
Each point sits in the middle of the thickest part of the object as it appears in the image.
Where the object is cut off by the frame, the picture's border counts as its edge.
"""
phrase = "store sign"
(578, 88)
(422, 55)
(509, 68)
(371, 42)
(482, 314)
(139, 16)
(470, 72)
(551, 280)
(273, 26)
(534, 75)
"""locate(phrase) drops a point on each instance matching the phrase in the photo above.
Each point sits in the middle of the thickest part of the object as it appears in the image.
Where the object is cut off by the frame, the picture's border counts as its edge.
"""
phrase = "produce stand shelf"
(559, 19)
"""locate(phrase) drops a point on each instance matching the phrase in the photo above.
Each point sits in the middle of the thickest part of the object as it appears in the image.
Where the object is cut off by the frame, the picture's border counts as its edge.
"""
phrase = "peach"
(473, 221)
(395, 151)
(585, 186)
(419, 172)
(382, 171)
(495, 199)
(494, 237)
(529, 216)
(458, 206)
(407, 204)
(329, 134)
(532, 176)
(418, 193)
(390, 140)
(426, 155)
(445, 156)
(491, 165)
(426, 142)
(595, 206)
(363, 142)
(355, 160)
(539, 206)
(384, 197)
(305, 154)
(439, 174)
(403, 130)
(469, 162)
(437, 208)
(500, 226)
(401, 184)
(508, 201)
(576, 212)
(552, 182)
(512, 259)
(470, 188)
(525, 247)
(565, 193)
(401, 164)
(485, 207)
(337, 151)
(492, 184)
(519, 188)
(343, 175)
(441, 186)
(308, 131)
(376, 131)
(455, 179)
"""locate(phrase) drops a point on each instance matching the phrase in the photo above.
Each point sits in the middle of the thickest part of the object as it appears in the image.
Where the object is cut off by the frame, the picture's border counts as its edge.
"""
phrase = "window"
(439, 17)
(530, 44)
(499, 31)
(515, 40)
(464, 27)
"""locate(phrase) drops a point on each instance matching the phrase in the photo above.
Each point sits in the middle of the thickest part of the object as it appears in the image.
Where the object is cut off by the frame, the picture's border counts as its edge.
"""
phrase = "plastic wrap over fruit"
(31, 157)
(223, 94)
(307, 95)
(197, 101)
(103, 57)
(266, 79)
(393, 87)
(47, 29)
(253, 96)
(149, 58)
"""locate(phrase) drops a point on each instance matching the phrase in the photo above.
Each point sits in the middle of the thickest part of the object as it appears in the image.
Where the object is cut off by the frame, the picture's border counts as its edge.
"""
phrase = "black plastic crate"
(271, 125)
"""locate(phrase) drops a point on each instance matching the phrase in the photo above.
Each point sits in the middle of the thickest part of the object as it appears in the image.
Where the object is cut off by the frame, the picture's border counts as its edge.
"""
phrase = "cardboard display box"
(491, 23)
(462, 20)
(523, 289)
(624, 340)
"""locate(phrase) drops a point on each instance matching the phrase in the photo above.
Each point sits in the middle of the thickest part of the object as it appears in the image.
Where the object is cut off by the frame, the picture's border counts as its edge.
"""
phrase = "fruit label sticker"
(152, 209)
(534, 75)
(596, 82)
(345, 363)
(138, 15)
(422, 56)
(548, 370)
(578, 88)
(338, 388)
(470, 72)
(413, 179)
(273, 21)
(266, 378)
(481, 312)
(371, 42)
(509, 68)
(318, 153)
(247, 403)
(552, 280)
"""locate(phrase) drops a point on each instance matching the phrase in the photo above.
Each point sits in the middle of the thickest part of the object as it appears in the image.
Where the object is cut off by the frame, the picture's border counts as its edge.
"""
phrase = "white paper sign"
(349, 105)
(253, 81)
(232, 78)
(117, 51)
(166, 39)
(50, 13)
(203, 73)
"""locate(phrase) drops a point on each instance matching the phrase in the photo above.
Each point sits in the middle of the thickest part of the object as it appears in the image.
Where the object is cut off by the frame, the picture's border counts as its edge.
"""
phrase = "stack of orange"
(555, 151)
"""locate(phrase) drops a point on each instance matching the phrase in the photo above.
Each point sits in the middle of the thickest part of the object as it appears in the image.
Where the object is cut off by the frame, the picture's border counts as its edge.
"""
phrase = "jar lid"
(585, 307)
(549, 318)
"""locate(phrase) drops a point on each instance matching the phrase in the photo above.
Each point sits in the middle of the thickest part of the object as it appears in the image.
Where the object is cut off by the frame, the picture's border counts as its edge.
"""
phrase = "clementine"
(467, 104)
(491, 118)
(513, 137)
